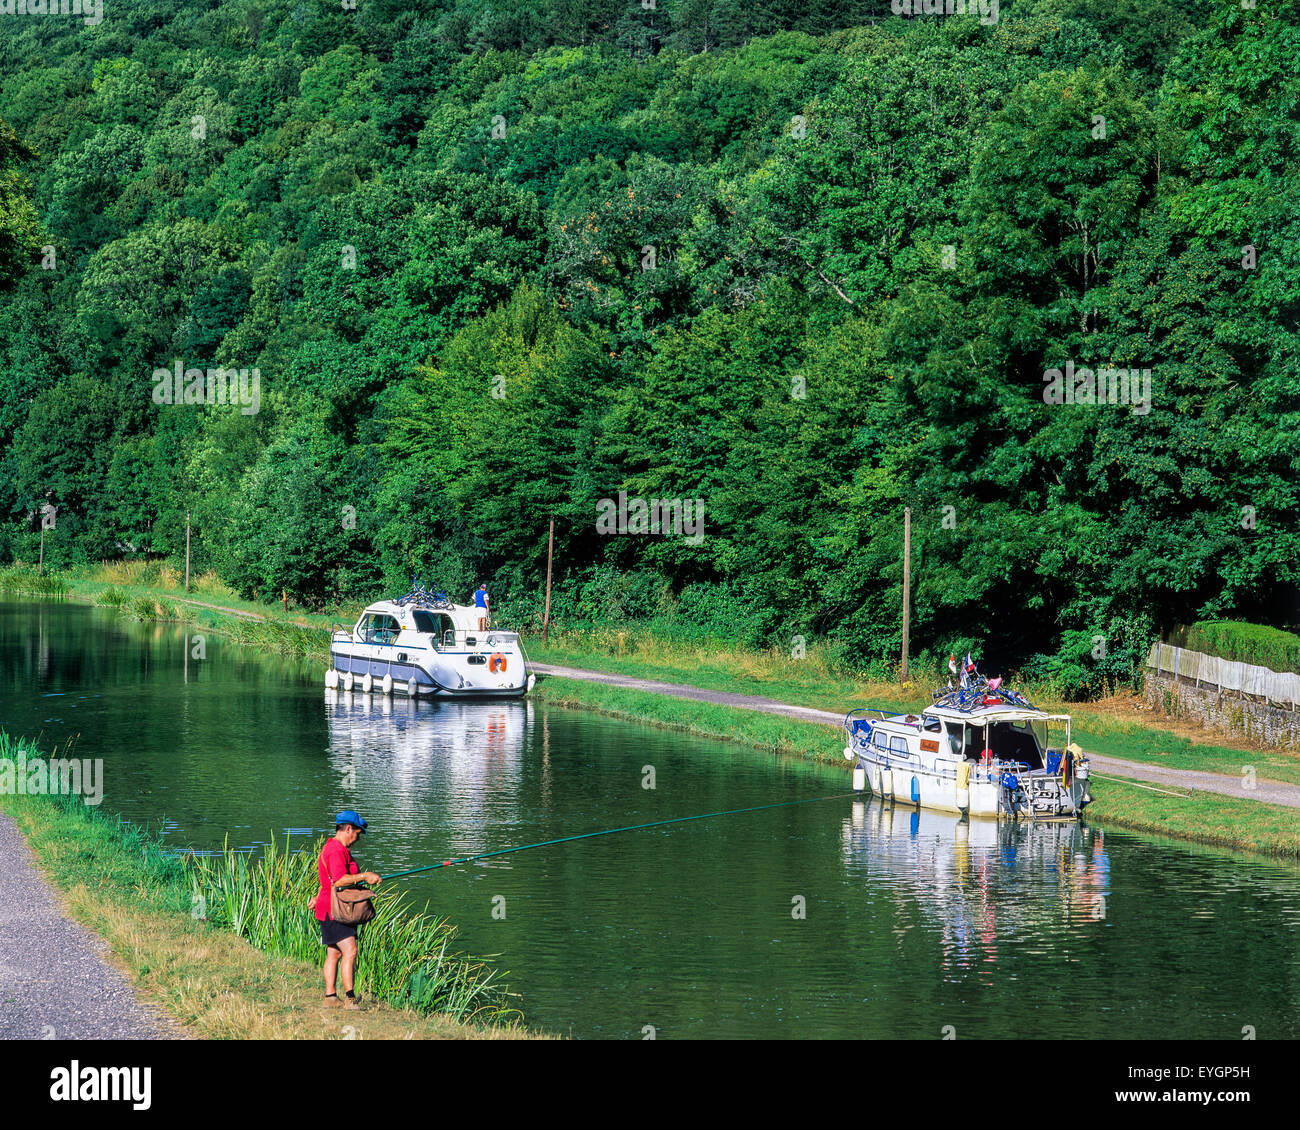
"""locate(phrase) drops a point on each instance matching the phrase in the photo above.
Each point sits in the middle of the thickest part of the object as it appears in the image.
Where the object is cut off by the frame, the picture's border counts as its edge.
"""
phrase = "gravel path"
(1268, 792)
(55, 979)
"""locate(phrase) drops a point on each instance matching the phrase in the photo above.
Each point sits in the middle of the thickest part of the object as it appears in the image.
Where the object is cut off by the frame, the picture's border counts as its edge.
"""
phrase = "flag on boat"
(952, 664)
(970, 664)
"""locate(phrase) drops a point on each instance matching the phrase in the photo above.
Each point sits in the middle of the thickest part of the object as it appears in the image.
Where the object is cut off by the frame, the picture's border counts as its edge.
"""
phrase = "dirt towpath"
(56, 982)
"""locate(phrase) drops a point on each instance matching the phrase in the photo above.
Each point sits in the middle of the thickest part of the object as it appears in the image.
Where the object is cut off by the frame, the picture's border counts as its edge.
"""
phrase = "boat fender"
(497, 662)
(412, 687)
(388, 684)
(367, 683)
(859, 779)
(347, 681)
(848, 754)
(532, 682)
(331, 678)
(963, 784)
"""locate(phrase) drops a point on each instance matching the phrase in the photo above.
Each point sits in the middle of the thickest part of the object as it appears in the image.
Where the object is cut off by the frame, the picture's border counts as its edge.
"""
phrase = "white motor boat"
(980, 750)
(423, 644)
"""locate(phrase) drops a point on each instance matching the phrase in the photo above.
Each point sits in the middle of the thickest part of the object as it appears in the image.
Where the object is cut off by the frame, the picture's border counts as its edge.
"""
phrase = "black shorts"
(331, 932)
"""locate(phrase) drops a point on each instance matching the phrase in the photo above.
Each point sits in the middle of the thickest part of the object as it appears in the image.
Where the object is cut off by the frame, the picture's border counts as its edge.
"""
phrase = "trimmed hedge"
(1246, 643)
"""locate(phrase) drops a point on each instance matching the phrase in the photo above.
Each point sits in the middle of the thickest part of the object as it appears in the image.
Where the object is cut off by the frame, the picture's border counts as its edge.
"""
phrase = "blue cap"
(351, 816)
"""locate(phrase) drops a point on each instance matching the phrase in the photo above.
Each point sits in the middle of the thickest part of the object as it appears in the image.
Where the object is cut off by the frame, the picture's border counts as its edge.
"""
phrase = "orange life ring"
(497, 662)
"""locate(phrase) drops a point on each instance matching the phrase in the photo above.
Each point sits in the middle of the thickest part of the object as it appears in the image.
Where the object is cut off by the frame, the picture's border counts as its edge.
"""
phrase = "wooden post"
(907, 582)
(546, 616)
(187, 551)
(284, 595)
(40, 567)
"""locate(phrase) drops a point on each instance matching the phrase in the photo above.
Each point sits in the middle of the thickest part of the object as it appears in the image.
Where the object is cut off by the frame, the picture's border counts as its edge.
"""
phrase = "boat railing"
(865, 714)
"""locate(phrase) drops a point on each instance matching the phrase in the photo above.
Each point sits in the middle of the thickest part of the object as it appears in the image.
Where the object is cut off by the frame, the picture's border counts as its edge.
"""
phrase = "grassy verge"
(152, 592)
(227, 946)
(771, 732)
(1199, 817)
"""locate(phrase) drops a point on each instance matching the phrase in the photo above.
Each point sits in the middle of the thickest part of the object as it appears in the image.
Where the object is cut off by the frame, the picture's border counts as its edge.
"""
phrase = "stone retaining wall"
(1230, 711)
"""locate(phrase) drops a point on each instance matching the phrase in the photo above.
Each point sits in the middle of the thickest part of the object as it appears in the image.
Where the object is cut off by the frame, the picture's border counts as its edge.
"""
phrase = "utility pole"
(907, 582)
(187, 551)
(546, 616)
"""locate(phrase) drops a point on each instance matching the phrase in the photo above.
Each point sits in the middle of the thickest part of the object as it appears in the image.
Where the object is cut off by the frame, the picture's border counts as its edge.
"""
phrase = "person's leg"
(348, 946)
(332, 955)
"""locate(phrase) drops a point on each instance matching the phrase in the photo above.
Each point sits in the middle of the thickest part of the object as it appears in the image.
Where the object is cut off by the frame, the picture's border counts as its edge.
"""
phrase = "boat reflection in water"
(984, 884)
(410, 757)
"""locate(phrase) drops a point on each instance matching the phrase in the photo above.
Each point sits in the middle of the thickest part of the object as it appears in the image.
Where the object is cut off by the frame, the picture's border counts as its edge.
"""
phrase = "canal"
(841, 918)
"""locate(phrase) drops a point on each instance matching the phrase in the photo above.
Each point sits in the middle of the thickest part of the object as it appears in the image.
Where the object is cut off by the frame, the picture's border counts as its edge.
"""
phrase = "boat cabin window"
(898, 745)
(931, 724)
(954, 738)
(379, 627)
(881, 739)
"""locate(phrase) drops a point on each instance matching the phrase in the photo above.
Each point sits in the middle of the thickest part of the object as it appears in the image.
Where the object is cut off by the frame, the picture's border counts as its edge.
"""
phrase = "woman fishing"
(337, 868)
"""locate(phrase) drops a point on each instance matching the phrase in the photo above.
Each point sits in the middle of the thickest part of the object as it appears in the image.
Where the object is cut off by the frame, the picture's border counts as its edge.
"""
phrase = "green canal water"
(841, 918)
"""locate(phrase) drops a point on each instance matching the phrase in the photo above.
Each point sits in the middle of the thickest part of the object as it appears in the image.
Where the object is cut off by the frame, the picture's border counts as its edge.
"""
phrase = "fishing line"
(612, 831)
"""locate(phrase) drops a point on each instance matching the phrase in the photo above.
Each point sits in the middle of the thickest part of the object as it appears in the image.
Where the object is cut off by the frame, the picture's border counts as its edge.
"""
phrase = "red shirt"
(335, 862)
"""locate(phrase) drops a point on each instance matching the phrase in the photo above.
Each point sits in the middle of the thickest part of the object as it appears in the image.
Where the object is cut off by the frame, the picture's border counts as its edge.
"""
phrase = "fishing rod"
(612, 831)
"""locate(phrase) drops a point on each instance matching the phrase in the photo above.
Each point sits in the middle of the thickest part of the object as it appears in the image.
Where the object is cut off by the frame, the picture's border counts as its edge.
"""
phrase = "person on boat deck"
(337, 868)
(483, 604)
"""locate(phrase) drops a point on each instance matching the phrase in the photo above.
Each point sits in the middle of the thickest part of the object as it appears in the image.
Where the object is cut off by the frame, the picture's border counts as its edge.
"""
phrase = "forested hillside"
(483, 264)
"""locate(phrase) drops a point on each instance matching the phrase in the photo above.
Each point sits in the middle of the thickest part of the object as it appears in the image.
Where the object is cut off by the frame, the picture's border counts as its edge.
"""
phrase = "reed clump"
(146, 608)
(113, 597)
(29, 580)
(292, 640)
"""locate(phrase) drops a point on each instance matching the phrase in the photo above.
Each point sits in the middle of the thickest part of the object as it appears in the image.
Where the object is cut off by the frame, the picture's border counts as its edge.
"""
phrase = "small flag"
(995, 683)
(952, 664)
(970, 663)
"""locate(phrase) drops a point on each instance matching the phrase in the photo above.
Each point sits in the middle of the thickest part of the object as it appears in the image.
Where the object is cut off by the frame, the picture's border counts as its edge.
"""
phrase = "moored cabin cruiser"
(980, 750)
(422, 644)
